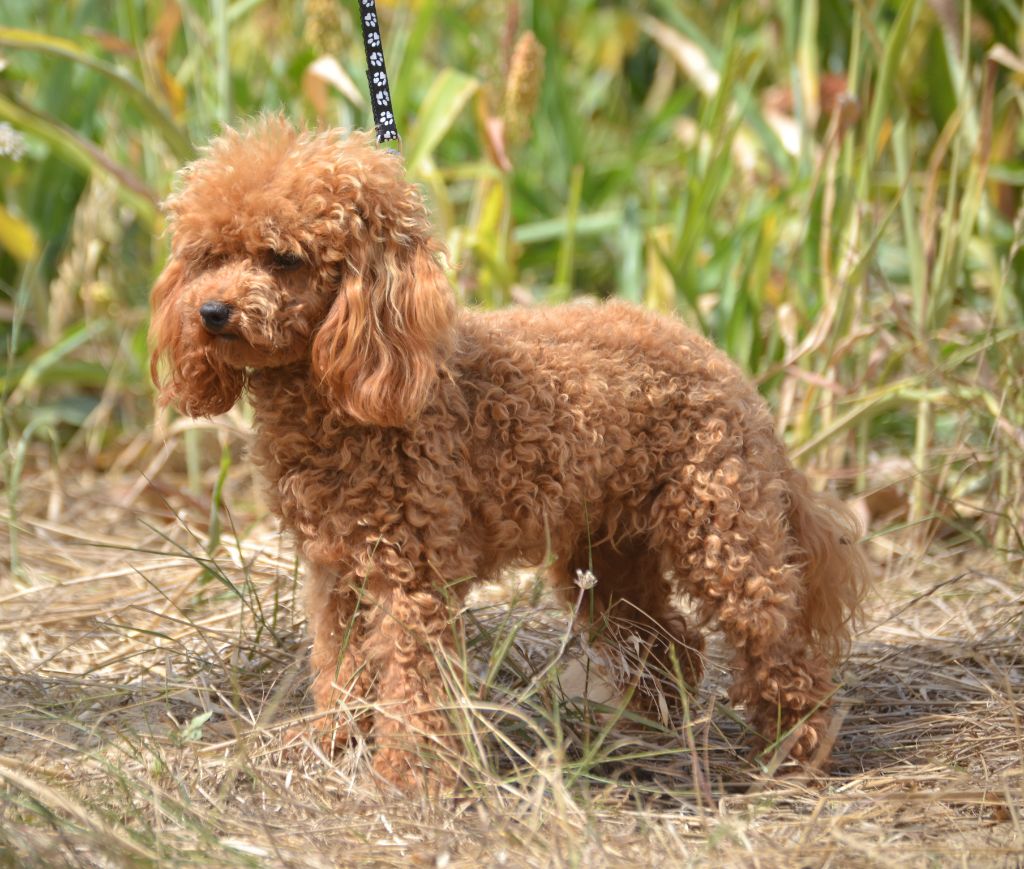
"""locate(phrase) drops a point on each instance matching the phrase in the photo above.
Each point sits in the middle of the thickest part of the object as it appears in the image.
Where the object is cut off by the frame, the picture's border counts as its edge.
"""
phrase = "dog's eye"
(285, 260)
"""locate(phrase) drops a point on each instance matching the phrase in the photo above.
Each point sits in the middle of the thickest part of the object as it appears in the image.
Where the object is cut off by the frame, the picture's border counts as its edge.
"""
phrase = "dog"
(412, 446)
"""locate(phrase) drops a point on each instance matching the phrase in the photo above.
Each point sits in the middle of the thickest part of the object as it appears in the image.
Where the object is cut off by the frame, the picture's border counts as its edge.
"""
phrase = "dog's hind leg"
(726, 529)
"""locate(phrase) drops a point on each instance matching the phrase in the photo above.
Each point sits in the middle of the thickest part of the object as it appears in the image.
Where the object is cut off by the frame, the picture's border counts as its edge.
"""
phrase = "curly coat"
(411, 446)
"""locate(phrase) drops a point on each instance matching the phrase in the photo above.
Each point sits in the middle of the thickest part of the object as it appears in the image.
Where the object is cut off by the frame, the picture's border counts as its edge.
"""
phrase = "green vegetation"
(831, 191)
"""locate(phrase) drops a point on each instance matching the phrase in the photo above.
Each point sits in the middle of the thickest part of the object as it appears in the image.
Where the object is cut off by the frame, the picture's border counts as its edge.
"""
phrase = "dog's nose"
(215, 315)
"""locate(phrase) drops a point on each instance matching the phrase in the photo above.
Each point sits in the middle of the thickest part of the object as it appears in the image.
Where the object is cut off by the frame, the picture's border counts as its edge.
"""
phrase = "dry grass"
(145, 687)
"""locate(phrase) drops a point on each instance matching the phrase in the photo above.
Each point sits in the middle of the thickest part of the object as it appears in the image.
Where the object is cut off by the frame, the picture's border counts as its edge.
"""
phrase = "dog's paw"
(806, 744)
(411, 774)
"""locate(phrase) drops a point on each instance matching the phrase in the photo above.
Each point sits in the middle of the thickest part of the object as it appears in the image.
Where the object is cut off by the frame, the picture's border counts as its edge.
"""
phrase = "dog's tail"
(836, 568)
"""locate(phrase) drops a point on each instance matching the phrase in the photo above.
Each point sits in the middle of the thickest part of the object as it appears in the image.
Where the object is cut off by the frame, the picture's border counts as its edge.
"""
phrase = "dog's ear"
(195, 380)
(379, 350)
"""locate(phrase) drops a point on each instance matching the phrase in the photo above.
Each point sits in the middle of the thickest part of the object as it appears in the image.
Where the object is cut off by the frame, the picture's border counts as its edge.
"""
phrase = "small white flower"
(585, 579)
(379, 79)
(12, 142)
(370, 20)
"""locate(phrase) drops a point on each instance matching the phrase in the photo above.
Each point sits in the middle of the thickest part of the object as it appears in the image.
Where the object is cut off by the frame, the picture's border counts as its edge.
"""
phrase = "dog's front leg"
(341, 682)
(409, 625)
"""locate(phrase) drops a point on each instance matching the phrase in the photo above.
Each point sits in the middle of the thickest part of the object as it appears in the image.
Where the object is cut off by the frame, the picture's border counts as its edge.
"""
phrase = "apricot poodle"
(412, 446)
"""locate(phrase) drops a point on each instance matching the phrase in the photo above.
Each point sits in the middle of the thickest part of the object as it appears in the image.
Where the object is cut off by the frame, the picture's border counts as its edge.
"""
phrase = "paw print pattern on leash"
(376, 73)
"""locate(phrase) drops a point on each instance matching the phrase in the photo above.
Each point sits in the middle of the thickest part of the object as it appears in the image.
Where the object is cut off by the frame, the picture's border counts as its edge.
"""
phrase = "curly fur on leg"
(340, 674)
(407, 633)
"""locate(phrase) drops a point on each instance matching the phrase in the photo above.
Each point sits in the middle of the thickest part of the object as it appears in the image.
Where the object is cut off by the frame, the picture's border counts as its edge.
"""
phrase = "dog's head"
(292, 247)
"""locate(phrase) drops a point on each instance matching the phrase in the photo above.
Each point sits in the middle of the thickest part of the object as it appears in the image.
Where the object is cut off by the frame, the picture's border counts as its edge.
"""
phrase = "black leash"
(377, 74)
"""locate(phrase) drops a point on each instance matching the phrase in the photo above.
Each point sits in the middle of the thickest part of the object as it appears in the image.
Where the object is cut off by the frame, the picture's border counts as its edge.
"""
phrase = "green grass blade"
(441, 106)
(175, 138)
(86, 155)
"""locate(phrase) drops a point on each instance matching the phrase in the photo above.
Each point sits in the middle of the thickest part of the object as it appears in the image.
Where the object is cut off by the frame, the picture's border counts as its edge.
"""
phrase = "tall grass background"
(831, 191)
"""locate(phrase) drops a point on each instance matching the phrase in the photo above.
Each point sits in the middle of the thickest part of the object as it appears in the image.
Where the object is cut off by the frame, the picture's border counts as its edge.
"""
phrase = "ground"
(151, 663)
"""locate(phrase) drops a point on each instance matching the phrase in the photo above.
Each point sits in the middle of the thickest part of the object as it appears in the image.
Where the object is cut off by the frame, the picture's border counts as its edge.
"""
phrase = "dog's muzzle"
(215, 316)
